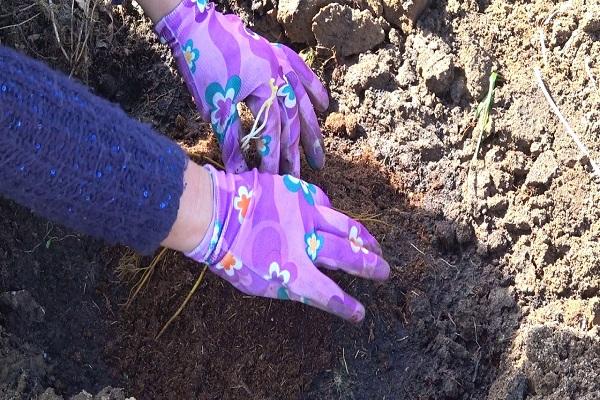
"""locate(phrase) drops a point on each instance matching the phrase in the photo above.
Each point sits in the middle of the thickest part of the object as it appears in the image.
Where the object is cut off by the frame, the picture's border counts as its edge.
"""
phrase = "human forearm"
(79, 160)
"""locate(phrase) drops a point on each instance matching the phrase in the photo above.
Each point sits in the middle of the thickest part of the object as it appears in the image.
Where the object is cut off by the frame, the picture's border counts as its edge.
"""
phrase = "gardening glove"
(224, 63)
(270, 232)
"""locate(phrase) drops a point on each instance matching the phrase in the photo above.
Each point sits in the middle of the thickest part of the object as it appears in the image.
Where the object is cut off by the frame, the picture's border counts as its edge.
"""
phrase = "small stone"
(23, 306)
(590, 22)
(336, 123)
(435, 63)
(485, 185)
(180, 122)
(500, 299)
(374, 6)
(352, 126)
(444, 237)
(407, 75)
(502, 180)
(396, 37)
(50, 394)
(296, 18)
(543, 170)
(570, 157)
(110, 393)
(398, 11)
(539, 216)
(516, 222)
(497, 204)
(478, 66)
(458, 89)
(497, 241)
(428, 146)
(465, 234)
(373, 71)
(510, 386)
(536, 148)
(83, 395)
(562, 29)
(346, 30)
(515, 163)
(343, 125)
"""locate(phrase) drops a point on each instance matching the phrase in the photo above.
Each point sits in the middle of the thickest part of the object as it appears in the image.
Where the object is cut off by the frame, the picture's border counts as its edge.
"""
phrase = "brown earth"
(494, 292)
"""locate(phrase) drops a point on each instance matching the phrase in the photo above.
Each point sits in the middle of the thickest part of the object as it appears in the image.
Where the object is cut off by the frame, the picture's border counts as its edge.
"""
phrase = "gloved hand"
(224, 63)
(270, 232)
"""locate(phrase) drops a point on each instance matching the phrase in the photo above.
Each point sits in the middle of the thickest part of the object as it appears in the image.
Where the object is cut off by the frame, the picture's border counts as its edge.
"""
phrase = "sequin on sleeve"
(77, 159)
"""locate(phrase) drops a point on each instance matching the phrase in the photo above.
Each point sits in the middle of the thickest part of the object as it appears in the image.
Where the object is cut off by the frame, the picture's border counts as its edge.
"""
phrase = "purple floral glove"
(224, 63)
(270, 232)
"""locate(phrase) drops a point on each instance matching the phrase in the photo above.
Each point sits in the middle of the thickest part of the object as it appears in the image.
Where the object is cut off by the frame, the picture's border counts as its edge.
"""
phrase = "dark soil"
(492, 296)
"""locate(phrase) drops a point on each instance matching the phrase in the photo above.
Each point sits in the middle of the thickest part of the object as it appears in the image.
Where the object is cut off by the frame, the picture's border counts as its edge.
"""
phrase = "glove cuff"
(169, 28)
(203, 252)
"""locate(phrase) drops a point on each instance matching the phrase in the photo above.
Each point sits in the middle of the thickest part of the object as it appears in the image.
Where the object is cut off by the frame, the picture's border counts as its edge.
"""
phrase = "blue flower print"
(222, 104)
(314, 244)
(200, 8)
(286, 91)
(190, 54)
(263, 145)
(294, 185)
(282, 294)
(201, 4)
(215, 237)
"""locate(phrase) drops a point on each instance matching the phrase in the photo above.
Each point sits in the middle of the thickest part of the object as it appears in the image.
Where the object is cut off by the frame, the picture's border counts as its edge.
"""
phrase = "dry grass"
(73, 26)
(129, 269)
(184, 303)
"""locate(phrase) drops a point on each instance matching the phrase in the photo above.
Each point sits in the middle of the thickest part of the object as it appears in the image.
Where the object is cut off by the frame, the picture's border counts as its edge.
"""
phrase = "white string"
(582, 147)
(263, 114)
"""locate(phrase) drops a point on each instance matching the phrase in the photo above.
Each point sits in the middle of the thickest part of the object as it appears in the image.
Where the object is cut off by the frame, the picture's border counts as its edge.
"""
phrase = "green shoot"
(309, 56)
(483, 114)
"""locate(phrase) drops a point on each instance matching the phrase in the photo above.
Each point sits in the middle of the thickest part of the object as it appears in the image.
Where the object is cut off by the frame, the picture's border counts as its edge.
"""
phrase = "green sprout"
(309, 56)
(483, 114)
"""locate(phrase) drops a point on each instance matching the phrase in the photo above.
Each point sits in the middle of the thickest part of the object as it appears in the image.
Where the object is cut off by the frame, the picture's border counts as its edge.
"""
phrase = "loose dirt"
(494, 292)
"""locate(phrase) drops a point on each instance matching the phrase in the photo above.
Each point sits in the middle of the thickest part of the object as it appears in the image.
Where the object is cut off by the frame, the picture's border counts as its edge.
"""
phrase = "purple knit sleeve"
(81, 161)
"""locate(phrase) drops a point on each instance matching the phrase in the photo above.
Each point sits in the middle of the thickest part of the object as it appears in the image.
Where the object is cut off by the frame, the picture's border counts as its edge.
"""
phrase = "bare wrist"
(195, 210)
(157, 9)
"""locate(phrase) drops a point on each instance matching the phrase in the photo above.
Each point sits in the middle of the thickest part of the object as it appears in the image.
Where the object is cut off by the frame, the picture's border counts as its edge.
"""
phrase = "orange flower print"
(314, 243)
(229, 264)
(242, 202)
(356, 242)
(190, 54)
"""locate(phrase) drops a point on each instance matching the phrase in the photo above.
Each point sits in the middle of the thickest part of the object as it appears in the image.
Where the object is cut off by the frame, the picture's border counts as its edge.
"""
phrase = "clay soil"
(494, 292)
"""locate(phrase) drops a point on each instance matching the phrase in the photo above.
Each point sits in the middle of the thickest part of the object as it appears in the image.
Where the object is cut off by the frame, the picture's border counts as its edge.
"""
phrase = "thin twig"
(213, 162)
(15, 12)
(53, 19)
(20, 23)
(344, 359)
(145, 277)
(88, 29)
(417, 249)
(185, 302)
(582, 147)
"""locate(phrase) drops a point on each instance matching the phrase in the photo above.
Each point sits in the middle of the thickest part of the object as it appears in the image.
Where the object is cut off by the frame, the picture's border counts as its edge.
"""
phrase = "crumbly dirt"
(495, 286)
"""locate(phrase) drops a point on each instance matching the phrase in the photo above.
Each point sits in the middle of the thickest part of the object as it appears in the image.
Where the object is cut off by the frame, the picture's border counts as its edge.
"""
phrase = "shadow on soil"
(436, 330)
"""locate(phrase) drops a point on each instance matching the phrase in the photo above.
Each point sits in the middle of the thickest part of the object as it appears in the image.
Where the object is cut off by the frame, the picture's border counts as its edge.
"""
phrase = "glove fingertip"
(381, 271)
(316, 156)
(321, 98)
(358, 315)
(346, 307)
